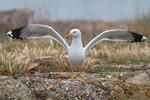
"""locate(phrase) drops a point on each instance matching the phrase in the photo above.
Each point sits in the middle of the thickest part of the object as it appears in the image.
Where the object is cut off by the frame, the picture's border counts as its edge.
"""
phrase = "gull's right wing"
(38, 31)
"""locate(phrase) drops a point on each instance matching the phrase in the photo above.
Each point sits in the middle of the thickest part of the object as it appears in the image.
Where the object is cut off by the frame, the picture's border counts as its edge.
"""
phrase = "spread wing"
(38, 31)
(115, 35)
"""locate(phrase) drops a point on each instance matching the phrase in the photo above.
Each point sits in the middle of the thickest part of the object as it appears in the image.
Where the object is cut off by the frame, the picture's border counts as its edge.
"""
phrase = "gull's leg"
(72, 76)
(80, 78)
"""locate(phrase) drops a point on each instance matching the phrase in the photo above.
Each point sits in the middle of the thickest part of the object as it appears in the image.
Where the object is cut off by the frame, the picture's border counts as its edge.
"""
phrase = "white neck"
(76, 42)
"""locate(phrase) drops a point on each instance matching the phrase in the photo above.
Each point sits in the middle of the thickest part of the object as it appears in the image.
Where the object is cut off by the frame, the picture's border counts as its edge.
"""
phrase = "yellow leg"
(72, 77)
(80, 78)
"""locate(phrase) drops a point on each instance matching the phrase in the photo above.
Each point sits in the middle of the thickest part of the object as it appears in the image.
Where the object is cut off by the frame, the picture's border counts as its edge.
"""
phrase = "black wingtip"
(15, 33)
(138, 37)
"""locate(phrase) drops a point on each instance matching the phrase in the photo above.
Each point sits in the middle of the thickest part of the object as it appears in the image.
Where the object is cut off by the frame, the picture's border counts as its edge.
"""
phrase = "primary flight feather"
(76, 52)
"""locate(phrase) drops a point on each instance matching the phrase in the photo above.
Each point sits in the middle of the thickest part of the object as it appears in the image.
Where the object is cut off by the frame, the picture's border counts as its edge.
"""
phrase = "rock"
(54, 75)
(148, 69)
(139, 96)
(118, 89)
(126, 75)
(14, 19)
(142, 79)
(148, 93)
(50, 86)
(55, 86)
(11, 89)
(134, 66)
(62, 89)
(37, 63)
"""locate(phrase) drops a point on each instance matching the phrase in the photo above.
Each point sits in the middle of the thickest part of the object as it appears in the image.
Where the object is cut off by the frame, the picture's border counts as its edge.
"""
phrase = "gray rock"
(51, 86)
(148, 69)
(142, 79)
(63, 89)
(11, 89)
(55, 86)
(135, 66)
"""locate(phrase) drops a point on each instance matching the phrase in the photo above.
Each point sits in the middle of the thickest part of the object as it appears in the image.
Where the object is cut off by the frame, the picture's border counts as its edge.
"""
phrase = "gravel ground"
(55, 86)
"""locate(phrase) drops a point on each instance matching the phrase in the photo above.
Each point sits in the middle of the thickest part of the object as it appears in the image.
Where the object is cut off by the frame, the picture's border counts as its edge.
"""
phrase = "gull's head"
(74, 33)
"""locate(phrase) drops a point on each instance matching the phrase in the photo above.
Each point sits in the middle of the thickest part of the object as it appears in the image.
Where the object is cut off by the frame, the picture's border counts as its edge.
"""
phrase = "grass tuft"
(15, 53)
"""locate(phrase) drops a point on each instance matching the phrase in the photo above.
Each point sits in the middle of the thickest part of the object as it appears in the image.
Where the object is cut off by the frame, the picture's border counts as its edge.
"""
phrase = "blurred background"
(90, 16)
(107, 10)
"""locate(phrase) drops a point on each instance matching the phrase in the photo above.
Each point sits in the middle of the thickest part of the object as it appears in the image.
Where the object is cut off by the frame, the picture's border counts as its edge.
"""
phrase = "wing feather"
(38, 31)
(115, 35)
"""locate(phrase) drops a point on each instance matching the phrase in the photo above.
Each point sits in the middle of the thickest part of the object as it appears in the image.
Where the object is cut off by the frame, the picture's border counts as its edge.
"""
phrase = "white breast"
(76, 57)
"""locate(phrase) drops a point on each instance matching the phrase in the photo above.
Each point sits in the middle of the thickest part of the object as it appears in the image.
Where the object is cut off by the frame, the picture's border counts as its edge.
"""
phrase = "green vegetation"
(97, 69)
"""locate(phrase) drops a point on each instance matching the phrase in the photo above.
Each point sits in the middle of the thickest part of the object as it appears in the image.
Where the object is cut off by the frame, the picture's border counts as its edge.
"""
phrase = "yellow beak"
(68, 35)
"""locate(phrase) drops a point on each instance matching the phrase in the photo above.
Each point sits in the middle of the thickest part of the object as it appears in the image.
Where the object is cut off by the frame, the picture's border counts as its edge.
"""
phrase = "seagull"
(76, 51)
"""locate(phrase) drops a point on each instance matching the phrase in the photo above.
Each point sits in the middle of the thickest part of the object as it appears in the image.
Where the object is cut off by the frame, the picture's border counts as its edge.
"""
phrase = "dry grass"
(14, 54)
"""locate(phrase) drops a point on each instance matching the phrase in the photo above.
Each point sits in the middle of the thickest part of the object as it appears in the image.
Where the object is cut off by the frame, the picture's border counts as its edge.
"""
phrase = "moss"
(131, 92)
(97, 69)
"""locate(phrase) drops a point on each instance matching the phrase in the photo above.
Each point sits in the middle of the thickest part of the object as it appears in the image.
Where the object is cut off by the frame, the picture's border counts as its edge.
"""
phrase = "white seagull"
(76, 52)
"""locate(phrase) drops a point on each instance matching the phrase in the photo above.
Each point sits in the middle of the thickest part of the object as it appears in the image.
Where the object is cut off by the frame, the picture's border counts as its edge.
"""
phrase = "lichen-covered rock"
(140, 79)
(62, 89)
(55, 86)
(11, 89)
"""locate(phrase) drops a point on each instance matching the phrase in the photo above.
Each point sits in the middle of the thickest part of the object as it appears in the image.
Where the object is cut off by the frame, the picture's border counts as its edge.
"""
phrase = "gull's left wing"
(115, 35)
(38, 31)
